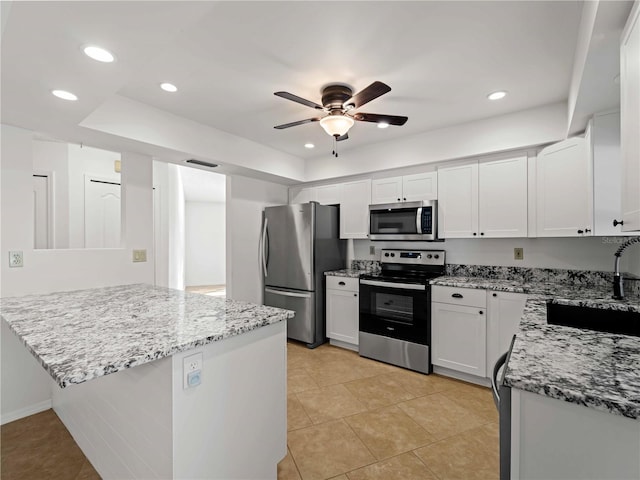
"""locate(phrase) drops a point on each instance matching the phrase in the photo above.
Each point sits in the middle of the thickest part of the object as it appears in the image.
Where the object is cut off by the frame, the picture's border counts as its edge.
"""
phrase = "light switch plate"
(139, 255)
(372, 250)
(518, 253)
(16, 259)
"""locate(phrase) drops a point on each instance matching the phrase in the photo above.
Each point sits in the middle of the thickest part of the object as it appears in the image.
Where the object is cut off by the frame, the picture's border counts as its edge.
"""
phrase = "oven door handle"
(404, 286)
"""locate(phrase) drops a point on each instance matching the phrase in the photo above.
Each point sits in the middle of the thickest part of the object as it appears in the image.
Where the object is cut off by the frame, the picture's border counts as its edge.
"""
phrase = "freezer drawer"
(302, 327)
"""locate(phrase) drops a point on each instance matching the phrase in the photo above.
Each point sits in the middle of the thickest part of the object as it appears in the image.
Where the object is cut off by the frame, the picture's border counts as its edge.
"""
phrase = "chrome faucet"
(618, 290)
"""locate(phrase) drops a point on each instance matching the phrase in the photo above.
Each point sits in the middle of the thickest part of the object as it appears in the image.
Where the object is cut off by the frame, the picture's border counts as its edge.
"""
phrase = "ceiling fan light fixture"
(383, 125)
(336, 125)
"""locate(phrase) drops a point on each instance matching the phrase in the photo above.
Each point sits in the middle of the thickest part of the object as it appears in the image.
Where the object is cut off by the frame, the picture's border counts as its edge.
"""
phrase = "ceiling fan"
(338, 101)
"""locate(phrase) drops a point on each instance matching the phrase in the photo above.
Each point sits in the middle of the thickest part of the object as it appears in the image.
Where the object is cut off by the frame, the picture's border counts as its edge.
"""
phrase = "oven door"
(395, 310)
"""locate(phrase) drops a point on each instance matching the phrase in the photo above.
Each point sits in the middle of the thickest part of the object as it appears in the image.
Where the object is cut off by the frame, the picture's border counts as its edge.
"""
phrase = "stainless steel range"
(395, 308)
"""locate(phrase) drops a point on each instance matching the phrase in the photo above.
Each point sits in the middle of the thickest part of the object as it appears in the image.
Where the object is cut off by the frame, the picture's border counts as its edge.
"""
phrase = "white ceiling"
(441, 59)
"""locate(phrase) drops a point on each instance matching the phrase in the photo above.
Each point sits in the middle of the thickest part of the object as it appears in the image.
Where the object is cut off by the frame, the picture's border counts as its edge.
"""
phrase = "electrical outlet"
(139, 255)
(192, 370)
(16, 259)
(372, 250)
(518, 253)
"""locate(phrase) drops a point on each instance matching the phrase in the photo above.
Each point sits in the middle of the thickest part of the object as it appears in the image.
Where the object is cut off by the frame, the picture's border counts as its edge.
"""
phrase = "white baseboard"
(25, 412)
(466, 377)
(341, 344)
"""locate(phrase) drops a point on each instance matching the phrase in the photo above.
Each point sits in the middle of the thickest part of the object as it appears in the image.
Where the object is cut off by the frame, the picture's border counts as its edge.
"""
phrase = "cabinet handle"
(581, 231)
(587, 230)
(481, 312)
(457, 295)
(495, 294)
(341, 283)
(405, 199)
(616, 222)
(481, 233)
(398, 199)
(474, 234)
(355, 294)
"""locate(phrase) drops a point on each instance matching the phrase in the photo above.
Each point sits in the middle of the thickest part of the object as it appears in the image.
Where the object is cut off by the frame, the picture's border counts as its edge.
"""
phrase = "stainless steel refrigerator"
(298, 244)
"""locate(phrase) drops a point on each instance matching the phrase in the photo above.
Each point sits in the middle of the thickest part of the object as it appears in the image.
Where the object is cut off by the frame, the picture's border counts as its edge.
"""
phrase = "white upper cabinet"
(502, 193)
(483, 199)
(354, 209)
(458, 201)
(564, 181)
(630, 120)
(328, 194)
(607, 173)
(408, 188)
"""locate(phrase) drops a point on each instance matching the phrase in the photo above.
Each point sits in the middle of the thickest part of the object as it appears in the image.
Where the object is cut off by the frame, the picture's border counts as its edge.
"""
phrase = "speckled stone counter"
(594, 369)
(84, 334)
(346, 272)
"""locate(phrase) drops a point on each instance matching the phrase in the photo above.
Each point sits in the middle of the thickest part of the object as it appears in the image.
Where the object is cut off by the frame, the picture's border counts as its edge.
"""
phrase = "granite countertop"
(84, 334)
(345, 272)
(594, 369)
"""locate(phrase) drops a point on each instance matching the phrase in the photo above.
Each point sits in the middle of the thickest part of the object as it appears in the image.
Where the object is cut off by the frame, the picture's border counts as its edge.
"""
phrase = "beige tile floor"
(351, 418)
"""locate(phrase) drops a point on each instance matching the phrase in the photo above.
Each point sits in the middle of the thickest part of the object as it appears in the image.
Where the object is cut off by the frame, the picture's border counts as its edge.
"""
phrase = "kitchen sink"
(591, 318)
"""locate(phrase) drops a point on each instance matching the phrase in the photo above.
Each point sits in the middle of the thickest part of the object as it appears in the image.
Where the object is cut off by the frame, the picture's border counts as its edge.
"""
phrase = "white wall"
(176, 227)
(58, 270)
(589, 253)
(205, 243)
(518, 130)
(246, 199)
(161, 222)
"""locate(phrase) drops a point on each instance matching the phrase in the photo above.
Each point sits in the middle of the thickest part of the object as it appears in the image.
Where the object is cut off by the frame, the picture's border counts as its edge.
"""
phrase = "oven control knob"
(386, 254)
(393, 254)
(429, 256)
(436, 256)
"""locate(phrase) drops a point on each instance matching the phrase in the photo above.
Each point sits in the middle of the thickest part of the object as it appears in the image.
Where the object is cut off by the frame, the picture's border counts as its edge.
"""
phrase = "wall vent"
(200, 162)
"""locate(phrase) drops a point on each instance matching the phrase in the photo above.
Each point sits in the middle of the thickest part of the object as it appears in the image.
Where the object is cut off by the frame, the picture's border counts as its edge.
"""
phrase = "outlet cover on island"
(372, 250)
(518, 253)
(192, 370)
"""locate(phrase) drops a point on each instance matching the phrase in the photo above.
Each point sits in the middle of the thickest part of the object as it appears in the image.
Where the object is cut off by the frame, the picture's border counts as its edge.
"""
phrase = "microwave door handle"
(419, 220)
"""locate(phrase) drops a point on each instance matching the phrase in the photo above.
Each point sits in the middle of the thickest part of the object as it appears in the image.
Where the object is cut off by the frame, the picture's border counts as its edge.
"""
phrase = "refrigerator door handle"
(265, 251)
(287, 294)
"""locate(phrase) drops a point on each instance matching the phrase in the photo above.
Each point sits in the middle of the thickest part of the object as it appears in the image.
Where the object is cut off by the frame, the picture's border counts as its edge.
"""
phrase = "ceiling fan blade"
(299, 122)
(342, 137)
(295, 98)
(372, 92)
(376, 118)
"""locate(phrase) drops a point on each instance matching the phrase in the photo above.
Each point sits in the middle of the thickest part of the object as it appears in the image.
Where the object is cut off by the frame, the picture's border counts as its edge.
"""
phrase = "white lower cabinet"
(459, 330)
(343, 311)
(504, 311)
(552, 438)
(471, 328)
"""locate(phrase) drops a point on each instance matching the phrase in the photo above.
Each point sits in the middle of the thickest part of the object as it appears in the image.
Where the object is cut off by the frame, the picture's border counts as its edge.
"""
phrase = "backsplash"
(585, 278)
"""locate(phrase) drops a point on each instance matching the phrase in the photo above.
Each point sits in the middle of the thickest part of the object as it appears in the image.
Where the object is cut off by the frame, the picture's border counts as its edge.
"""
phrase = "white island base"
(142, 423)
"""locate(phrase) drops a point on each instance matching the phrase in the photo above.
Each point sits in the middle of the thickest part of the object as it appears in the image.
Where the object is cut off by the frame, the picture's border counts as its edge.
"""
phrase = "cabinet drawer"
(343, 283)
(459, 296)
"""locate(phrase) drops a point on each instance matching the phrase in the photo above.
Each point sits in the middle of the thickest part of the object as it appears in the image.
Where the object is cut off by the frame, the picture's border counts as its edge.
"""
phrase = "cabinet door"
(386, 190)
(301, 195)
(502, 198)
(607, 173)
(630, 120)
(342, 316)
(458, 201)
(421, 186)
(328, 194)
(354, 209)
(458, 338)
(504, 311)
(565, 189)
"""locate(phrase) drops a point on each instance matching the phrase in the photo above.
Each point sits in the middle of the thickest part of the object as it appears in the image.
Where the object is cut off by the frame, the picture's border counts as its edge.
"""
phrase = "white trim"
(465, 377)
(25, 412)
(342, 344)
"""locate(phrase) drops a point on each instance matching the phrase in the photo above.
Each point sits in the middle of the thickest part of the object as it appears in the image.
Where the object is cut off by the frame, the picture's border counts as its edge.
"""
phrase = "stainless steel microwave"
(404, 221)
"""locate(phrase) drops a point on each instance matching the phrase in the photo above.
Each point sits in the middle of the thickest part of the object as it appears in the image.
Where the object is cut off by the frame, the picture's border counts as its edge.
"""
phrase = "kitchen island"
(147, 421)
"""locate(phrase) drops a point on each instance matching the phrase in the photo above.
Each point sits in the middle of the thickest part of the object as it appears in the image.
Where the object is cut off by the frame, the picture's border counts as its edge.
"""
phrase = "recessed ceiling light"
(497, 95)
(168, 87)
(99, 54)
(309, 145)
(383, 125)
(64, 95)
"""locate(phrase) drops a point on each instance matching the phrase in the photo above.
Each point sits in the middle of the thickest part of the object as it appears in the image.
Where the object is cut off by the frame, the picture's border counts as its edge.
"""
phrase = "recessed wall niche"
(76, 196)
